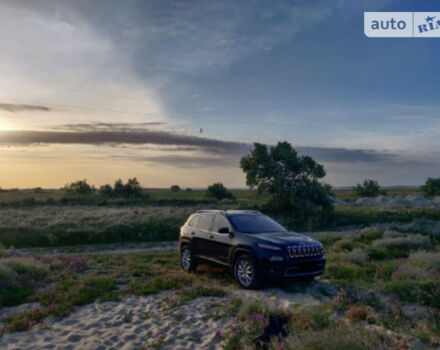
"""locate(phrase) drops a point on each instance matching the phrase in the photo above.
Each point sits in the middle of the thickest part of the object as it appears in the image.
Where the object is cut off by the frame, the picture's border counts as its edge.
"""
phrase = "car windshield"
(255, 224)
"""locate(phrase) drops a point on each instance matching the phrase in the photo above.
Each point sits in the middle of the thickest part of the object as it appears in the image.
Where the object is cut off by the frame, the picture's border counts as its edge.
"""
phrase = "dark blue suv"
(252, 245)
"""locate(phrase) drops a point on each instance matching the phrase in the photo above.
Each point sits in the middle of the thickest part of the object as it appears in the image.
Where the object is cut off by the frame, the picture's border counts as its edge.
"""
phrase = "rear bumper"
(294, 268)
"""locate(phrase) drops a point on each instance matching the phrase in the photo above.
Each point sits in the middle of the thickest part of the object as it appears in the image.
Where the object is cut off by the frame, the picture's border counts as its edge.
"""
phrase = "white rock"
(436, 201)
(418, 201)
(382, 198)
(367, 202)
(398, 202)
(337, 201)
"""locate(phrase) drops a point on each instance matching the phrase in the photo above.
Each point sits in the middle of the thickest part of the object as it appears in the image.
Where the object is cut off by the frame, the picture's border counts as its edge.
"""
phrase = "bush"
(412, 241)
(80, 187)
(17, 279)
(175, 188)
(369, 188)
(431, 187)
(332, 338)
(414, 291)
(132, 189)
(356, 256)
(427, 260)
(219, 191)
(106, 190)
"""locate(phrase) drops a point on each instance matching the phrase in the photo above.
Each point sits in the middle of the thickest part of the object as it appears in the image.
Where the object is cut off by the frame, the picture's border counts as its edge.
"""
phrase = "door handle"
(211, 236)
(193, 233)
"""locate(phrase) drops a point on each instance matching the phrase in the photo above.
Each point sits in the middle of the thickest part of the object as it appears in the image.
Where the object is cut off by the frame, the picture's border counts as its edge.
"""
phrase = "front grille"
(304, 251)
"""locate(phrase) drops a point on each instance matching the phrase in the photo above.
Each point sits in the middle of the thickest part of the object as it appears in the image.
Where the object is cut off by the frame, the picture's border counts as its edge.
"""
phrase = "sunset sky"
(175, 92)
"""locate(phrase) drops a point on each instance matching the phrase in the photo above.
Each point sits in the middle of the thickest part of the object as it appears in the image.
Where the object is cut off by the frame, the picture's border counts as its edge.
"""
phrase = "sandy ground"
(139, 322)
(132, 323)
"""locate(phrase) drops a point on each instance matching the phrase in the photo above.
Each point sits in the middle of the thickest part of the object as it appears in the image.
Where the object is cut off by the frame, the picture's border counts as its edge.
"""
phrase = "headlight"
(269, 247)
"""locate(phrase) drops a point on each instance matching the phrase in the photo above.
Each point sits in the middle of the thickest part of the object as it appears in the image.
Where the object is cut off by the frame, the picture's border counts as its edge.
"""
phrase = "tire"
(187, 260)
(246, 272)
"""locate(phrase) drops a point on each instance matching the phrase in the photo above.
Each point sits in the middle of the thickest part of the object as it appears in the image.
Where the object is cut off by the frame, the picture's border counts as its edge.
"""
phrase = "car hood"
(285, 238)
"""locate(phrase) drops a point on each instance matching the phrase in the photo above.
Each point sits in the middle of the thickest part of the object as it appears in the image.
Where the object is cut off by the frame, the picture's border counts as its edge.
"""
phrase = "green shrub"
(175, 188)
(331, 338)
(219, 191)
(367, 235)
(18, 277)
(369, 188)
(401, 246)
(312, 318)
(131, 190)
(431, 187)
(80, 187)
(348, 272)
(356, 256)
(427, 260)
(423, 292)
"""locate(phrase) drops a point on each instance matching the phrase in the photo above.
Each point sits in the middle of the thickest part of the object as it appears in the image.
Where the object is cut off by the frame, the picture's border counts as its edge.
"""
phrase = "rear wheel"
(246, 272)
(187, 261)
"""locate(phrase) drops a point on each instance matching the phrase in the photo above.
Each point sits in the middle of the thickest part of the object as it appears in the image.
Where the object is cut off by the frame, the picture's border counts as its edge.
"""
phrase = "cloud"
(120, 137)
(128, 134)
(17, 107)
(345, 155)
(182, 161)
(58, 59)
(108, 126)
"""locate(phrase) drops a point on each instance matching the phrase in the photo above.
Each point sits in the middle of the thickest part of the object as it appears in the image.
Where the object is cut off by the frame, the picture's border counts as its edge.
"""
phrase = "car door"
(202, 235)
(220, 243)
(191, 232)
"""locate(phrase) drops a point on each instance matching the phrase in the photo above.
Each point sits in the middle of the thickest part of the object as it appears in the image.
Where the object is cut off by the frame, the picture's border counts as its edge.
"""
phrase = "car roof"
(229, 212)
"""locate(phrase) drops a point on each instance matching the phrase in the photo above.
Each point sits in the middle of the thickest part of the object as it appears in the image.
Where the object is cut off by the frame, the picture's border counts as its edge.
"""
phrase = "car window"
(205, 222)
(255, 224)
(219, 222)
(193, 221)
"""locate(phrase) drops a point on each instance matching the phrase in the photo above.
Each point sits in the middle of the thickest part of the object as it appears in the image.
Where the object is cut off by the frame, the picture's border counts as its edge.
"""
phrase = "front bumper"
(293, 268)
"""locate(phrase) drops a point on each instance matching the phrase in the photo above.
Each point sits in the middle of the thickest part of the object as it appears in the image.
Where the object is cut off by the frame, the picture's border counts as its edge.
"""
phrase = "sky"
(176, 92)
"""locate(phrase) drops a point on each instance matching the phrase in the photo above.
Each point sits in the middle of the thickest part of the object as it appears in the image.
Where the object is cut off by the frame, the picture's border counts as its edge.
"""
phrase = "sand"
(139, 322)
(132, 323)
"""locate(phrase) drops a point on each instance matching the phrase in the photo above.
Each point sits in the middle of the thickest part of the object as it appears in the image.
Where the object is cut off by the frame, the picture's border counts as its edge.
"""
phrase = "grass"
(403, 264)
(57, 225)
(369, 291)
(377, 272)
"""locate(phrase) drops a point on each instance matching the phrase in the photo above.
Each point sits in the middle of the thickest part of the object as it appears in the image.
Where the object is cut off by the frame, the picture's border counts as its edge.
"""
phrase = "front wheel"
(187, 261)
(246, 272)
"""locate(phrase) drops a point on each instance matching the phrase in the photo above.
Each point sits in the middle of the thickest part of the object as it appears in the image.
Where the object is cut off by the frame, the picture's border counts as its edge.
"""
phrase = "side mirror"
(223, 230)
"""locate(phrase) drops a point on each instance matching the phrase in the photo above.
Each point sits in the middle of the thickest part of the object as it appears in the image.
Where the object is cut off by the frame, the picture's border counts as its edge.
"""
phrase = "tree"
(106, 190)
(132, 189)
(80, 187)
(431, 187)
(370, 188)
(175, 188)
(287, 182)
(219, 191)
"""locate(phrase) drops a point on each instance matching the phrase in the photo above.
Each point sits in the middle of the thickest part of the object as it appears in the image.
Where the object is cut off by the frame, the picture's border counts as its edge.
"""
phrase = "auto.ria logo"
(402, 24)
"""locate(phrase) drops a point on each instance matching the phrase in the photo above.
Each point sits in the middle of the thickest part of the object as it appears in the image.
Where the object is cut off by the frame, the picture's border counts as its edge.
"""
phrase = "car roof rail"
(244, 211)
(210, 211)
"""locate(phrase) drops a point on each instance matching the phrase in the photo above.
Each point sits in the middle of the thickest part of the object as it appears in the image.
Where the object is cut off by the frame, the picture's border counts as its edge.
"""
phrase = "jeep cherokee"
(252, 245)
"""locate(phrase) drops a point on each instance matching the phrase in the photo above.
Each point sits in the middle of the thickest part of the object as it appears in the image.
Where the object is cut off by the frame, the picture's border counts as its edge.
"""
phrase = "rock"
(382, 198)
(416, 345)
(367, 202)
(418, 201)
(337, 201)
(436, 201)
(398, 202)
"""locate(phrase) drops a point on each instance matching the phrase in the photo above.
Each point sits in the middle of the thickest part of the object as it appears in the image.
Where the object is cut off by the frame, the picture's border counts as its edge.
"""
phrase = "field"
(78, 270)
